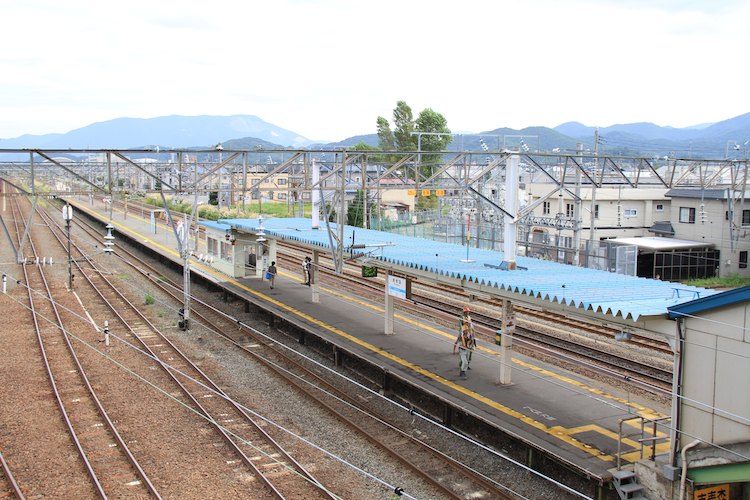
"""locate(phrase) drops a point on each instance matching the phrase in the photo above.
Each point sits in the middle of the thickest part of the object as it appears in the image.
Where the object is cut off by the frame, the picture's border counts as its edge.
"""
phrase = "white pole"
(511, 206)
(388, 307)
(314, 287)
(506, 343)
(315, 195)
(5, 284)
(106, 333)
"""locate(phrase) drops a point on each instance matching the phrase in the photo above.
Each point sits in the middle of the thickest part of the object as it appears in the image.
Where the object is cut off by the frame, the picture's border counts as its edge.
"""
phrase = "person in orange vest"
(465, 341)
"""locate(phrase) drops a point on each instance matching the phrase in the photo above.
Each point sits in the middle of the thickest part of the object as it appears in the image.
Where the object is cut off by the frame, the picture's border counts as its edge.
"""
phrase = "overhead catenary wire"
(205, 417)
(533, 374)
(362, 387)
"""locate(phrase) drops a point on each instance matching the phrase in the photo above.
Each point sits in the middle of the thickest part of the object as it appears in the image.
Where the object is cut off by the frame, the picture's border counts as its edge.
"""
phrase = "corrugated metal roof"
(214, 225)
(662, 227)
(736, 296)
(609, 293)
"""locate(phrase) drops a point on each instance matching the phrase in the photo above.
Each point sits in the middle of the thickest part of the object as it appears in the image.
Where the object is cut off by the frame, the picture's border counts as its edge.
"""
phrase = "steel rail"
(314, 379)
(206, 380)
(74, 436)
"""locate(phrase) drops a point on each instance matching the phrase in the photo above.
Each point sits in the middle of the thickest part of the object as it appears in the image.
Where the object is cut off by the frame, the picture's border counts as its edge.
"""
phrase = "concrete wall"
(643, 201)
(716, 373)
(713, 229)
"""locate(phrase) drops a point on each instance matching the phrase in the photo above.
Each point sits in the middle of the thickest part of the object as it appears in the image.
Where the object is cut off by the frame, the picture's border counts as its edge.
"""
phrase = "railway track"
(91, 429)
(281, 475)
(651, 377)
(552, 340)
(449, 476)
(14, 489)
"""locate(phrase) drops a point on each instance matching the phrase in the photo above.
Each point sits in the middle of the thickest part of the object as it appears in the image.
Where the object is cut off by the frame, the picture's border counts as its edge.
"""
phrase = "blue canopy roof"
(600, 291)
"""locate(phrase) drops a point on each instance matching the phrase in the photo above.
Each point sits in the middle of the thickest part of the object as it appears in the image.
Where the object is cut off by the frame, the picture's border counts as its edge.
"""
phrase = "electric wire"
(205, 387)
(529, 372)
(359, 385)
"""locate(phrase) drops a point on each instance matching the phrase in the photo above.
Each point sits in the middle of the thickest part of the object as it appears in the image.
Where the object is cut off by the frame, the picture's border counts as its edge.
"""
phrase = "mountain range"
(728, 138)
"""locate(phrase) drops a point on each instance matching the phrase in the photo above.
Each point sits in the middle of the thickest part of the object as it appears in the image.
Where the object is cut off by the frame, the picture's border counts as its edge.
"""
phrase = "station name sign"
(399, 287)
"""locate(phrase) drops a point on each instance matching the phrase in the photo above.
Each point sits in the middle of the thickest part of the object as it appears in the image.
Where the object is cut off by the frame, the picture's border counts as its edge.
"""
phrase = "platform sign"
(398, 287)
(720, 492)
(411, 192)
(426, 192)
(440, 192)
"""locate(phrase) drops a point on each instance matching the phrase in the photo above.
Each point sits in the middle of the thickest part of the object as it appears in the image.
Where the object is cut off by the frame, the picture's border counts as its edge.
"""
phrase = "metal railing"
(647, 425)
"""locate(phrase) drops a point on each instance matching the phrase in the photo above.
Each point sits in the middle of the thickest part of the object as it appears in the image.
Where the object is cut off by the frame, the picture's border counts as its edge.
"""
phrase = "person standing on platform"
(271, 273)
(465, 341)
(306, 270)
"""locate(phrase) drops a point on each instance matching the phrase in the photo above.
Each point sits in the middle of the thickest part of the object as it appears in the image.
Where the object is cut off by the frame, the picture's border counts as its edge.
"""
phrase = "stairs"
(626, 485)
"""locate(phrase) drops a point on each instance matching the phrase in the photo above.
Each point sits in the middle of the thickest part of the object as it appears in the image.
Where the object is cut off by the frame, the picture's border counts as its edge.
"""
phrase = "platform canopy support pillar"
(389, 306)
(508, 328)
(316, 195)
(510, 227)
(315, 290)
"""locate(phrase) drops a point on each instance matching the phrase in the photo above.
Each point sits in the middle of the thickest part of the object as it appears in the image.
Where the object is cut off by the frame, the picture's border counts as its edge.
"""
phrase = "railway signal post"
(67, 213)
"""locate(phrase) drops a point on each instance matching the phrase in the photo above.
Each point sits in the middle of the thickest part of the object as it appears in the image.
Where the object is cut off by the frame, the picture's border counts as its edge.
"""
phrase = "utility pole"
(592, 229)
(577, 213)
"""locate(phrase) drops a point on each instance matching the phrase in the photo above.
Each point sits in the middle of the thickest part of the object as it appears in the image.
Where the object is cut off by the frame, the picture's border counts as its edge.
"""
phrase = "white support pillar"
(508, 328)
(510, 230)
(314, 269)
(315, 195)
(388, 307)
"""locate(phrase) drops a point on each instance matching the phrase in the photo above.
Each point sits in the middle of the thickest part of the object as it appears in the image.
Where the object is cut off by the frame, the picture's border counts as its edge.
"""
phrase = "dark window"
(743, 259)
(687, 215)
(746, 217)
(569, 210)
(596, 211)
(545, 208)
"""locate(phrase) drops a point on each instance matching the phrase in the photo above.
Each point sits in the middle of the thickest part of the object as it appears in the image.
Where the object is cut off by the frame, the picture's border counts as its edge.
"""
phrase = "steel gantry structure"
(325, 177)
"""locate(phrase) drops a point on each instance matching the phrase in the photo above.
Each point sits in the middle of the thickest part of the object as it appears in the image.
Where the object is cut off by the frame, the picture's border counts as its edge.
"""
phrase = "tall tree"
(385, 136)
(432, 123)
(403, 122)
(355, 212)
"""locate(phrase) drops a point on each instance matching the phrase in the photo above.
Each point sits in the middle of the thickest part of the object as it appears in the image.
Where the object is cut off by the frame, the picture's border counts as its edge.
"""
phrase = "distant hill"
(168, 131)
(717, 140)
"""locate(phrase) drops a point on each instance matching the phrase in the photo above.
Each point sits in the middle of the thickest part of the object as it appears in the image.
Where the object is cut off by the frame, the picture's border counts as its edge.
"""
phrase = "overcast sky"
(326, 69)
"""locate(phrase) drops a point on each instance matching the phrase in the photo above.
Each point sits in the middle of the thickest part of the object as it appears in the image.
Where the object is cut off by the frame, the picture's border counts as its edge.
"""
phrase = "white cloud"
(327, 68)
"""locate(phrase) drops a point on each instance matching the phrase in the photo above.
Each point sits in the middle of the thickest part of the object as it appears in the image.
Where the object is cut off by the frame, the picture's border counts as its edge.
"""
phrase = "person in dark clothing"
(306, 265)
(272, 273)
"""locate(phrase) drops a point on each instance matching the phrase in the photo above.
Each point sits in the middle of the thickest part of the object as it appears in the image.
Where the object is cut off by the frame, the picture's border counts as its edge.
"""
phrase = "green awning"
(730, 473)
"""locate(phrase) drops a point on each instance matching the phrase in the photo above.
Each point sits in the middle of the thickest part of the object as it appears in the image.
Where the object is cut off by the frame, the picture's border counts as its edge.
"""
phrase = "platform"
(567, 416)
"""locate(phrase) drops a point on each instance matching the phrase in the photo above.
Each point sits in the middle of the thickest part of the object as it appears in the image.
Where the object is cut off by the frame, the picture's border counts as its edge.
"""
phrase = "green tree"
(385, 136)
(432, 122)
(332, 216)
(363, 146)
(355, 212)
(403, 121)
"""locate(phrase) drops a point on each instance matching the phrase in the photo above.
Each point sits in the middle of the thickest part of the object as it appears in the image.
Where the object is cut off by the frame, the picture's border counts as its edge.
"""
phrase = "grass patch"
(148, 299)
(731, 281)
